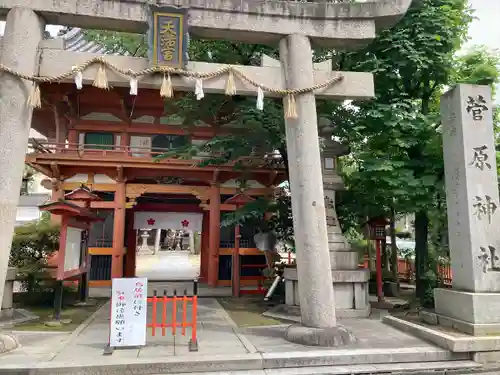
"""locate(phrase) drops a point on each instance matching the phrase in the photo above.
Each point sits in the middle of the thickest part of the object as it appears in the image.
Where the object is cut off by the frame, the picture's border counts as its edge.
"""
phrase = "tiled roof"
(74, 40)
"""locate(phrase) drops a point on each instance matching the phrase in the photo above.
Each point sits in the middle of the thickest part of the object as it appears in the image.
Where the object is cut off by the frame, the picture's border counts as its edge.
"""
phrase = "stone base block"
(344, 259)
(350, 289)
(326, 337)
(472, 313)
(456, 342)
(459, 325)
(486, 357)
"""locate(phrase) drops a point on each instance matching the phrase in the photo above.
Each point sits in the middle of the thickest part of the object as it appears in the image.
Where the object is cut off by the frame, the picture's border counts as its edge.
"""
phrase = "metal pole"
(380, 293)
(58, 296)
(274, 285)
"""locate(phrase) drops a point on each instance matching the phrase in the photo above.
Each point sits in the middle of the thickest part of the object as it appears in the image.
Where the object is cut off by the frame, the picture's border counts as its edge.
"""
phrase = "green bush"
(32, 245)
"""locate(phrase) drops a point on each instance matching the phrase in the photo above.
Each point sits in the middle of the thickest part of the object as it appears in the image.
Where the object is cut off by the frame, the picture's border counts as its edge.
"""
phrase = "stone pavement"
(222, 347)
(215, 330)
(168, 265)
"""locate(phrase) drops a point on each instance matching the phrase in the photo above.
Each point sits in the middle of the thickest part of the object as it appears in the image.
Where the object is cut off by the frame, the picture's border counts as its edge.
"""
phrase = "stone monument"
(295, 26)
(472, 305)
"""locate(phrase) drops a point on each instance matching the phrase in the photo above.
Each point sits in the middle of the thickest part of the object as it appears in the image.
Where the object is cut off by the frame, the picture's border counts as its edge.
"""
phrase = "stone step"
(359, 356)
(271, 363)
(435, 368)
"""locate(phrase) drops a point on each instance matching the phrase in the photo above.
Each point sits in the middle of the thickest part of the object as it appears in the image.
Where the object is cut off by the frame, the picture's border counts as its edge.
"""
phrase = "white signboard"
(168, 220)
(140, 146)
(128, 312)
(73, 250)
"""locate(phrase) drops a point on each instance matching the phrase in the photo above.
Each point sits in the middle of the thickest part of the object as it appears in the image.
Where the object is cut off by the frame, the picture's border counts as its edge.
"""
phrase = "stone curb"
(275, 313)
(180, 364)
(339, 358)
(28, 316)
(243, 339)
(346, 357)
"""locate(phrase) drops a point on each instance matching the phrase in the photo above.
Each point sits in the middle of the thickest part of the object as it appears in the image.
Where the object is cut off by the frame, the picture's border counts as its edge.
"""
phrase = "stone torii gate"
(295, 26)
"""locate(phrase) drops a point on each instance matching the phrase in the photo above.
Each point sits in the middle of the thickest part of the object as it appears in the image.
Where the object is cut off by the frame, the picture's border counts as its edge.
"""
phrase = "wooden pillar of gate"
(131, 246)
(72, 138)
(204, 247)
(118, 231)
(214, 235)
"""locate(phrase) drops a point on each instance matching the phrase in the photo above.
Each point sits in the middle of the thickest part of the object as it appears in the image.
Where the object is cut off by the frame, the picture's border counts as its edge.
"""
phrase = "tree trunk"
(369, 246)
(394, 247)
(284, 155)
(421, 252)
(371, 255)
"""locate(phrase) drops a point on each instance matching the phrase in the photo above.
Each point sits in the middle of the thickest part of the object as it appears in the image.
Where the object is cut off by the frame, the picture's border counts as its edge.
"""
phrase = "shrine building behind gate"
(108, 140)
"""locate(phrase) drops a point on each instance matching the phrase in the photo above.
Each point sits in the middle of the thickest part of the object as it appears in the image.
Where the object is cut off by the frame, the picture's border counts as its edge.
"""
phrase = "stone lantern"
(350, 284)
(333, 182)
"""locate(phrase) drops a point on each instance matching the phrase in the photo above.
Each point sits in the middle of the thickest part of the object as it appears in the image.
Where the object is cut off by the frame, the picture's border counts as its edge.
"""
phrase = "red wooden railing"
(406, 270)
(136, 153)
(171, 320)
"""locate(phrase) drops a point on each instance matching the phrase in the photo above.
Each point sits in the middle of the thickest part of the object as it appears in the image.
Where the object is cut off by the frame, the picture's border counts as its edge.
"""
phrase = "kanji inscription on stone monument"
(484, 207)
(476, 106)
(488, 258)
(480, 158)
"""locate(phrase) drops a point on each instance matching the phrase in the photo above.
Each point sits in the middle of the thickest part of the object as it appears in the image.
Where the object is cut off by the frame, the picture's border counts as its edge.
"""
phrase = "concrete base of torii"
(8, 343)
(327, 337)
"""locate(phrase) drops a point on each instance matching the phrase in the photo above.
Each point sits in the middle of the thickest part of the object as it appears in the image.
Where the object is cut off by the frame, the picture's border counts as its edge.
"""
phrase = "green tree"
(396, 161)
(399, 156)
(481, 66)
(478, 65)
(32, 245)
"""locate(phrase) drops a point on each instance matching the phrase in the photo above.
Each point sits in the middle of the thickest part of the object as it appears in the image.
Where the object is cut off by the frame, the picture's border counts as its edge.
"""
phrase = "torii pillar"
(23, 33)
(317, 305)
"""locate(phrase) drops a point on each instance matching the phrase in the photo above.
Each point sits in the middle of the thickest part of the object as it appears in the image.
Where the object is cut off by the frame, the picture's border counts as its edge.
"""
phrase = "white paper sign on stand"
(128, 312)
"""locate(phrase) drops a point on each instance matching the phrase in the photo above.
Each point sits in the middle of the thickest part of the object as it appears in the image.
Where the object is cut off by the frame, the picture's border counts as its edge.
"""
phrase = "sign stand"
(128, 314)
(73, 261)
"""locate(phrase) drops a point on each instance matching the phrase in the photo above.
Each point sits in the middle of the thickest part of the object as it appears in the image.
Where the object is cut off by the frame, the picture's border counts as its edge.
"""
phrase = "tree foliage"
(397, 160)
(478, 65)
(32, 245)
